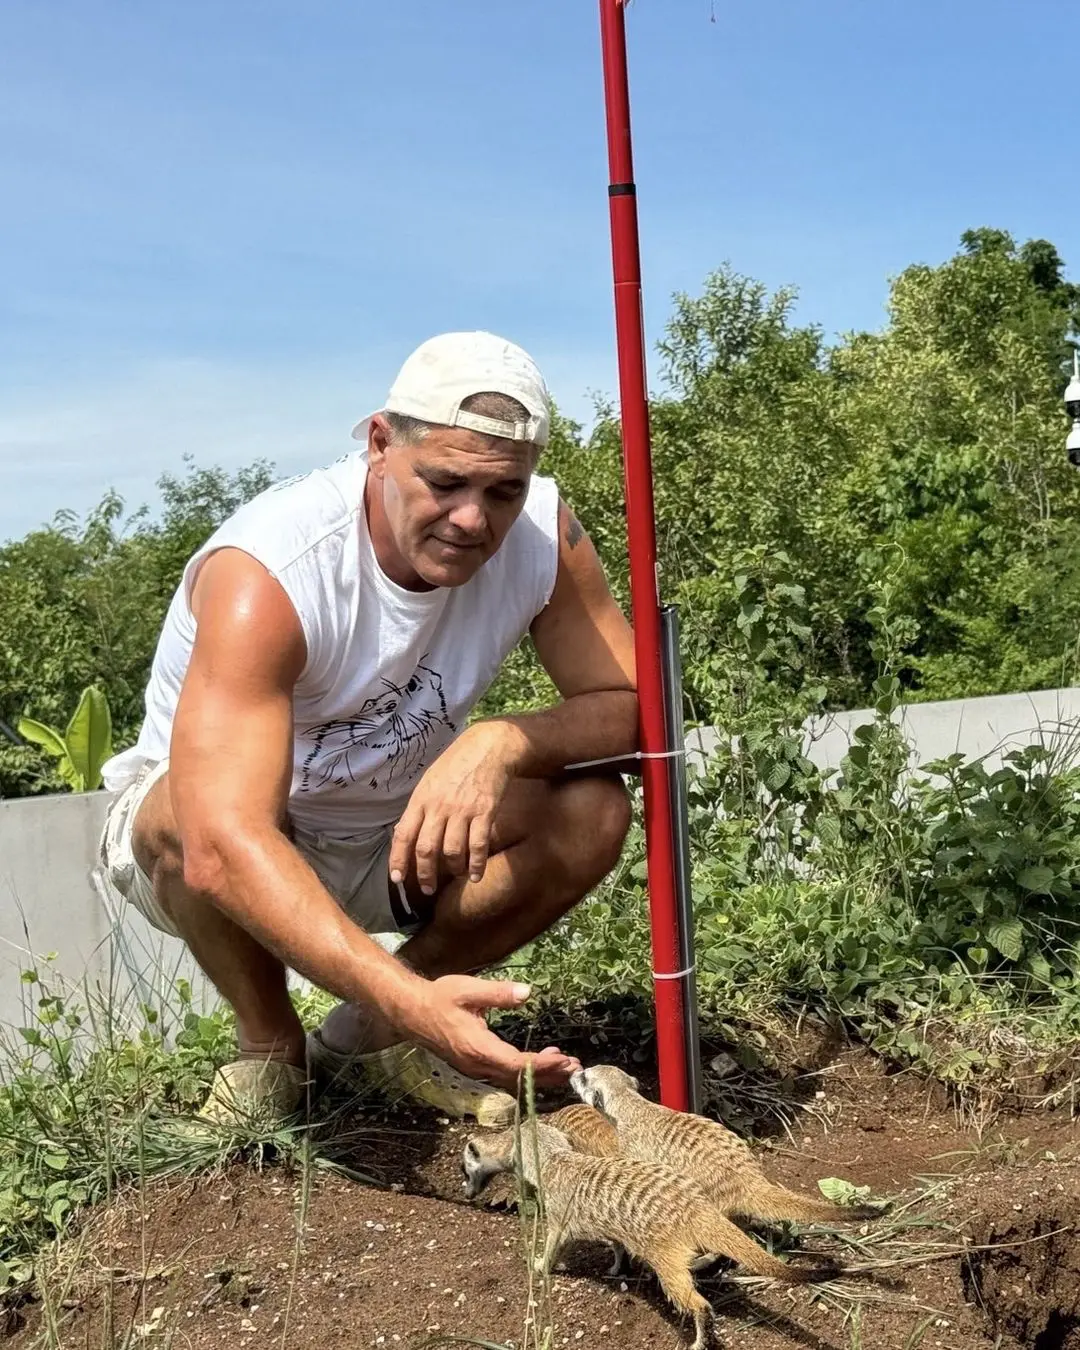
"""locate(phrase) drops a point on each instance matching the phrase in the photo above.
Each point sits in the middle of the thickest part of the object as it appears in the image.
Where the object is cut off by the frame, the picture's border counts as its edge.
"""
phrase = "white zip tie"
(675, 974)
(618, 759)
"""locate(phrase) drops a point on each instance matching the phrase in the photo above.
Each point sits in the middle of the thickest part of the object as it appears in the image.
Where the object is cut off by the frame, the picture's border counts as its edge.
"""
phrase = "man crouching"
(304, 776)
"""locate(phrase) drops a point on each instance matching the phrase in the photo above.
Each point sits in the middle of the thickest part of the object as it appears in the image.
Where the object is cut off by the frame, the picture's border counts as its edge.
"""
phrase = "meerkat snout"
(579, 1083)
(596, 1085)
(476, 1173)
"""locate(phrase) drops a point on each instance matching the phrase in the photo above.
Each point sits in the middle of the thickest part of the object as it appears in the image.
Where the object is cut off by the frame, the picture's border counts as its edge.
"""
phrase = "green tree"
(957, 411)
(82, 603)
(935, 442)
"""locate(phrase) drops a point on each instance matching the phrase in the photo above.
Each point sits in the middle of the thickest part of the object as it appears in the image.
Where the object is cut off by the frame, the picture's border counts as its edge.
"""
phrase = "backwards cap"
(445, 370)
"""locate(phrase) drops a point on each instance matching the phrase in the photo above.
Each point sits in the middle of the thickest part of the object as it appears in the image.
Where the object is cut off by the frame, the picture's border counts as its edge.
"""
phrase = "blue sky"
(226, 222)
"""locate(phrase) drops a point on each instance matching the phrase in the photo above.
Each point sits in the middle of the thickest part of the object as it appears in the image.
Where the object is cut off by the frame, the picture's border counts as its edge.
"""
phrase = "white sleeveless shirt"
(391, 675)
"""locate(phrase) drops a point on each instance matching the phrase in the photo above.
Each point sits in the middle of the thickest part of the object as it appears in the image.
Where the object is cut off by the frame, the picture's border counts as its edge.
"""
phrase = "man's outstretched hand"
(447, 1017)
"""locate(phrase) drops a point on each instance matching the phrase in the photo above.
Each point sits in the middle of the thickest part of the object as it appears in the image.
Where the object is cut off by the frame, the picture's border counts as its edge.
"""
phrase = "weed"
(88, 1104)
(935, 912)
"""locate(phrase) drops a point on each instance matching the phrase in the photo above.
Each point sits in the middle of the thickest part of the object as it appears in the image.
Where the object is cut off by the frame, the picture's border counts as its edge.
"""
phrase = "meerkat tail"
(720, 1236)
(776, 1203)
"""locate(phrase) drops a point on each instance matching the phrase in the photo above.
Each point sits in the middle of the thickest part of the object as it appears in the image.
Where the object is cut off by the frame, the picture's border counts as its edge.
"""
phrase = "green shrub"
(887, 898)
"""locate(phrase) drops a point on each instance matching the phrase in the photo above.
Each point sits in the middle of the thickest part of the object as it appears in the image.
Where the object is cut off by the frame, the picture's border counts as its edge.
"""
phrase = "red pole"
(641, 535)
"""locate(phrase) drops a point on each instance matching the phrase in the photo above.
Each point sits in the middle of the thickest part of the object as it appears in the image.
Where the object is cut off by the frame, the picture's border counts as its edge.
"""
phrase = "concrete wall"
(49, 901)
(977, 728)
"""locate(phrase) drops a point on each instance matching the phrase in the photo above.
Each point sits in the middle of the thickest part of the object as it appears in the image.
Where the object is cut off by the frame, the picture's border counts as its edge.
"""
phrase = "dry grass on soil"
(980, 1248)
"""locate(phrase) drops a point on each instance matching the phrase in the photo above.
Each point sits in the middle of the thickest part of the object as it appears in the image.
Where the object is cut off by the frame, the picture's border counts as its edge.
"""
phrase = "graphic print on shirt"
(400, 722)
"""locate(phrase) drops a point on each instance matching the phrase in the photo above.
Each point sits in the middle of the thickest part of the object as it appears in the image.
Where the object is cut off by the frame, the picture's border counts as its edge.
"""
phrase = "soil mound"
(1025, 1273)
(275, 1257)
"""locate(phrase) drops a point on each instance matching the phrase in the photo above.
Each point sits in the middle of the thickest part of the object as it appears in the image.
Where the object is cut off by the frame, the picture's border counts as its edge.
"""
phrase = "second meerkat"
(587, 1129)
(703, 1150)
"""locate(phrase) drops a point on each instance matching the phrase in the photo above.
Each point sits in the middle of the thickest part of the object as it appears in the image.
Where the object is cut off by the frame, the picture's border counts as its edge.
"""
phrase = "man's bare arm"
(587, 647)
(229, 772)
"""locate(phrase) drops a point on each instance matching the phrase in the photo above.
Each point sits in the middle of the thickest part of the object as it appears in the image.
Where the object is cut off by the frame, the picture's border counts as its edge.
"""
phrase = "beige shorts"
(354, 870)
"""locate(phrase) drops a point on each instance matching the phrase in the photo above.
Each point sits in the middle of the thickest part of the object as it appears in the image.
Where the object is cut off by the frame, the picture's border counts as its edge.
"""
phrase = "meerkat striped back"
(586, 1129)
(704, 1151)
(648, 1210)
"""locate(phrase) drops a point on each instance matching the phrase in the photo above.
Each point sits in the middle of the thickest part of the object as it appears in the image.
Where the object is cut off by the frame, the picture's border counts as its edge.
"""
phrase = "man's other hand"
(448, 822)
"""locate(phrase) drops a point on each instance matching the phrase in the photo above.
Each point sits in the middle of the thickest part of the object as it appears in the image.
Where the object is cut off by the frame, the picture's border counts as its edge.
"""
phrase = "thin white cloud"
(64, 447)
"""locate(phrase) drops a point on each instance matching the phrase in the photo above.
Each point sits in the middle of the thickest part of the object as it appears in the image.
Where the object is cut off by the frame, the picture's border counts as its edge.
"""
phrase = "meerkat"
(703, 1150)
(585, 1129)
(645, 1208)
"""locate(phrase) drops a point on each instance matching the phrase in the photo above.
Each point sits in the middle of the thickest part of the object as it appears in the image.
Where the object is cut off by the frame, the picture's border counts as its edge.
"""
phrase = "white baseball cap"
(443, 371)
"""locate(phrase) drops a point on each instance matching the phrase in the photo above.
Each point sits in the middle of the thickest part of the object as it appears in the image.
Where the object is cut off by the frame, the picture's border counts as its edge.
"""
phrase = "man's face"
(446, 504)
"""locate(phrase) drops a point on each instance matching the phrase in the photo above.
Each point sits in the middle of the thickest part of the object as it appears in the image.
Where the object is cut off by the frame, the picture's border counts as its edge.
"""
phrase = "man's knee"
(614, 814)
(155, 840)
(599, 813)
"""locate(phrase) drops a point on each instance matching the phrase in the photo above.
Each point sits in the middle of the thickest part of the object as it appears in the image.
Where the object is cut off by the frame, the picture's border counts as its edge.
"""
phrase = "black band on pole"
(622, 190)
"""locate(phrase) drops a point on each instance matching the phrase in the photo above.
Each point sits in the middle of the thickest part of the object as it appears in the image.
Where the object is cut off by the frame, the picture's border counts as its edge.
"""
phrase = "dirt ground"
(980, 1247)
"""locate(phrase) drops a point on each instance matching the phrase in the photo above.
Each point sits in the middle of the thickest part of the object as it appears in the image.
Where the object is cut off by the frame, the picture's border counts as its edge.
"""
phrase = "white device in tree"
(1072, 407)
